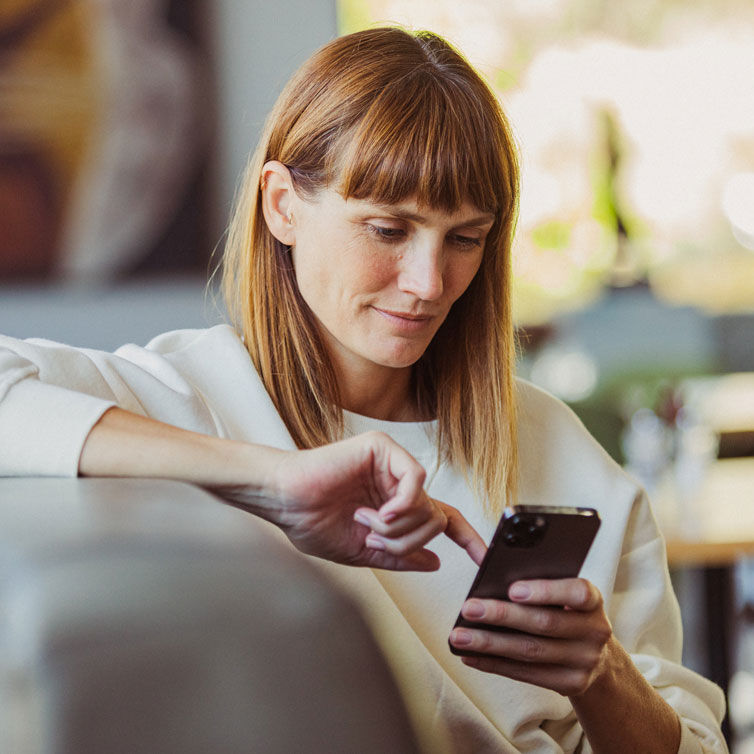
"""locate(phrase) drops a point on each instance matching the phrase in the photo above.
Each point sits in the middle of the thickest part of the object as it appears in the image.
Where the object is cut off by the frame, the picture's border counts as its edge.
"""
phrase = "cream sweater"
(203, 380)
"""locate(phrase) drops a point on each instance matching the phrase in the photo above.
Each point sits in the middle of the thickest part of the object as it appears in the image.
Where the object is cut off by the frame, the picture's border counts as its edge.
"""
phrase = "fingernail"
(461, 637)
(361, 518)
(374, 542)
(473, 609)
(388, 517)
(519, 592)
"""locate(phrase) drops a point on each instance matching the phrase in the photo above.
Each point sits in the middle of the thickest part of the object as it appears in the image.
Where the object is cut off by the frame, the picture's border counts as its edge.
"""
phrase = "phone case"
(532, 542)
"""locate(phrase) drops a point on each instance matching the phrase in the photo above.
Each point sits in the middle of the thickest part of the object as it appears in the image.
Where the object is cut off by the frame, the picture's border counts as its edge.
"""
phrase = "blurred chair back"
(147, 616)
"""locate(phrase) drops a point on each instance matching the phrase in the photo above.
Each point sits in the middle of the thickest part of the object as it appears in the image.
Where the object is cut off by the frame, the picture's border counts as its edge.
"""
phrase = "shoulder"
(210, 339)
(545, 421)
(559, 459)
(197, 358)
(189, 350)
(560, 463)
(214, 364)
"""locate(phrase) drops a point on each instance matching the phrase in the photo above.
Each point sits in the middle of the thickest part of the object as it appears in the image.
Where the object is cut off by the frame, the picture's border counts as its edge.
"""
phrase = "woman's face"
(381, 279)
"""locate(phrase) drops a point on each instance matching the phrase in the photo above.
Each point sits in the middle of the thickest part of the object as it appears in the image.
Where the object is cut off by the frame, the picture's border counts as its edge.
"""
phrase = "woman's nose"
(421, 273)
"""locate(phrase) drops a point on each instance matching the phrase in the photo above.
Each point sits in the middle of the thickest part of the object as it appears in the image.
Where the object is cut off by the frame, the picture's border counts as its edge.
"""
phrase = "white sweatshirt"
(203, 380)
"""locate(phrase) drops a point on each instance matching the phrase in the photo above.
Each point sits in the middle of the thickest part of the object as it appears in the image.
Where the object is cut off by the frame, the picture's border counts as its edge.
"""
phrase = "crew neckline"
(416, 437)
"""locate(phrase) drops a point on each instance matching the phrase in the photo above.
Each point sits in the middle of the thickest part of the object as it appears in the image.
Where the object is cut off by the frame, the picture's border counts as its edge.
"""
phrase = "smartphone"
(532, 542)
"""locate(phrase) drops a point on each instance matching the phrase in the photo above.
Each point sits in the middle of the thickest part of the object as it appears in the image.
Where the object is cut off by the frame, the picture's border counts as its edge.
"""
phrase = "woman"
(367, 269)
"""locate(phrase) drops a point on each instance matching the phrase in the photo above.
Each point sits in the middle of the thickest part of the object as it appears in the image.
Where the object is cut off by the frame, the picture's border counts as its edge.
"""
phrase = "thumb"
(419, 560)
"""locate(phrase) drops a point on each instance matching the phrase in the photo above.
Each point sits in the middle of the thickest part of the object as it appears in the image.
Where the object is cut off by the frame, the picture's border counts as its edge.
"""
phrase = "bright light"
(569, 373)
(738, 205)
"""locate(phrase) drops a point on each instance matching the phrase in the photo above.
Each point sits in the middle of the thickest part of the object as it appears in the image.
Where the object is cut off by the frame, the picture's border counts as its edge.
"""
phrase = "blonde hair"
(387, 115)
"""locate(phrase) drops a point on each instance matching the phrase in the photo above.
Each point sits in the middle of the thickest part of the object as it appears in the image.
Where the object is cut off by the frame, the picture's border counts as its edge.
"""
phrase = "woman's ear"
(278, 198)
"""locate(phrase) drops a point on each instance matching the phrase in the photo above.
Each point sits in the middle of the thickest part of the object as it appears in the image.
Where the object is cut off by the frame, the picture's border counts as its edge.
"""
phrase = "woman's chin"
(402, 360)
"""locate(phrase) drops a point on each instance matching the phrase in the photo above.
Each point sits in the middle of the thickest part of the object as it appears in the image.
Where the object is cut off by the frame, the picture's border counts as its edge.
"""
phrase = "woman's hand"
(568, 645)
(359, 501)
(565, 650)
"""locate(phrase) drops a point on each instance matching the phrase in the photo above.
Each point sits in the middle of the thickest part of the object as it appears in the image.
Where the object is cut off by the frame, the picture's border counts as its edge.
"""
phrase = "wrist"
(613, 665)
(617, 697)
(248, 475)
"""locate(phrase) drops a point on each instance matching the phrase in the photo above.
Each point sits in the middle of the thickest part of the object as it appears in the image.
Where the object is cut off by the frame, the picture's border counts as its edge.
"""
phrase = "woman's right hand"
(360, 502)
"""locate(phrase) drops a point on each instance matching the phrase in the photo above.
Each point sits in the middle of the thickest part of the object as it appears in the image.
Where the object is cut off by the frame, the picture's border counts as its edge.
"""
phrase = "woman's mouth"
(405, 321)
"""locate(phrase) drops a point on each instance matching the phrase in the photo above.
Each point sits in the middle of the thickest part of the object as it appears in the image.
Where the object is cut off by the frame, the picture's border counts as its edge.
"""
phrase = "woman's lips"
(405, 321)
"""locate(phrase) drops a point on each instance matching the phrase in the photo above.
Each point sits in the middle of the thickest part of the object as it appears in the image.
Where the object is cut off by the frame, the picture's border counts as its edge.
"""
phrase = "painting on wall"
(104, 136)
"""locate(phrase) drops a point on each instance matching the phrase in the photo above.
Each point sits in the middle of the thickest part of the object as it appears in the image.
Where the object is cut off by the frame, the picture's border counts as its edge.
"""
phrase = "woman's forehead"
(411, 208)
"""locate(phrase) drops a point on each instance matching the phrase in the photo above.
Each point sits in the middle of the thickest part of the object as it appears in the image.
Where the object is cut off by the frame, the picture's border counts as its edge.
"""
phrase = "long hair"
(387, 115)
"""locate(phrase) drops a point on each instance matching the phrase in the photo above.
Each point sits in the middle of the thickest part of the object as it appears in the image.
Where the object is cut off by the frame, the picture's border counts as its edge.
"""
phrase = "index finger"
(463, 533)
(575, 594)
(408, 495)
(401, 473)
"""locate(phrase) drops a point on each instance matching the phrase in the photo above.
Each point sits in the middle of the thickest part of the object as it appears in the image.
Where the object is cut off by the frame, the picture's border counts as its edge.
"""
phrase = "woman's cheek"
(368, 268)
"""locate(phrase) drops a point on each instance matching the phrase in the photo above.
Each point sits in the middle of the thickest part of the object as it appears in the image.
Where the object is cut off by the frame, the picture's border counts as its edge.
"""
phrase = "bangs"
(424, 139)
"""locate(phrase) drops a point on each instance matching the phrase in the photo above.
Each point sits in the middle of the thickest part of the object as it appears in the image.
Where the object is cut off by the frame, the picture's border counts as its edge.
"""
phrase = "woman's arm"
(609, 710)
(58, 417)
(359, 501)
(574, 652)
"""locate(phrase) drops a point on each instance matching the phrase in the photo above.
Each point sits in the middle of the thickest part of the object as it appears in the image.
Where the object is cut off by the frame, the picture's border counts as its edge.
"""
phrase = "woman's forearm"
(359, 501)
(125, 444)
(621, 712)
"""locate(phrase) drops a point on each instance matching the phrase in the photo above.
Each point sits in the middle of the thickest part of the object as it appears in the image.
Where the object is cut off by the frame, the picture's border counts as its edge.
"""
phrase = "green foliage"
(504, 80)
(554, 234)
(603, 208)
(353, 15)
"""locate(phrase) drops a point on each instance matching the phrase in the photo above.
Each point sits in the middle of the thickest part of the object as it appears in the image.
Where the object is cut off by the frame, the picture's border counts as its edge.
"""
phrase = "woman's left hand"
(565, 650)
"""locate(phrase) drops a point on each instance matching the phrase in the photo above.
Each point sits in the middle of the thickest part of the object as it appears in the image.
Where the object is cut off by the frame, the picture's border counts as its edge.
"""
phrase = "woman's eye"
(386, 233)
(466, 241)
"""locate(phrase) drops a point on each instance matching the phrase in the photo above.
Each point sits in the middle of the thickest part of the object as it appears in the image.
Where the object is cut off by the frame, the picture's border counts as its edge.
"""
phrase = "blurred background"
(124, 128)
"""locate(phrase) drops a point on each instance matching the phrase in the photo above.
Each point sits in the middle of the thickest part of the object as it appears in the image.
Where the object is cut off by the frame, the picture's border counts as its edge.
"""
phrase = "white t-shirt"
(203, 380)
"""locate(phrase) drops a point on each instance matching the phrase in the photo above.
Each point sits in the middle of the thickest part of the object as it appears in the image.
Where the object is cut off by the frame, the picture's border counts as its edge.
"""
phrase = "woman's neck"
(380, 393)
(388, 404)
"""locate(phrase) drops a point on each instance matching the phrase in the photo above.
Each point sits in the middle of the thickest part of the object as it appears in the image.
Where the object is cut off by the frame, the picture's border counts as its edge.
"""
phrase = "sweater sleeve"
(645, 616)
(51, 395)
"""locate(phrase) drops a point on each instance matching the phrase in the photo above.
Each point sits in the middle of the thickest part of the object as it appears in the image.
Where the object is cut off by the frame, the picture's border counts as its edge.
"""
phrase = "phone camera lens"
(524, 530)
